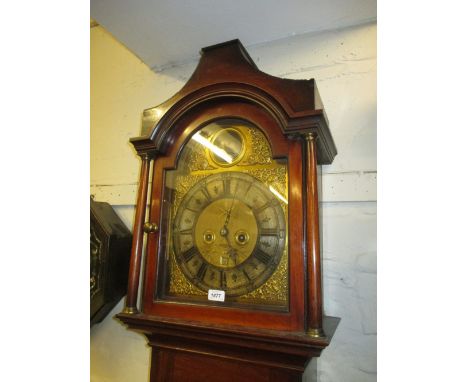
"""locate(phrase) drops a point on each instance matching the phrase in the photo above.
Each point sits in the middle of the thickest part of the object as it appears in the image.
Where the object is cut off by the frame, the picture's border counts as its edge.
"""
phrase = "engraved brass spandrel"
(179, 285)
(183, 183)
(197, 160)
(262, 153)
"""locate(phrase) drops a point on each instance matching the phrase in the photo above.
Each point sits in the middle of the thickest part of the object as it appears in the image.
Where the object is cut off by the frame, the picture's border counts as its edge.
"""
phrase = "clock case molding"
(273, 346)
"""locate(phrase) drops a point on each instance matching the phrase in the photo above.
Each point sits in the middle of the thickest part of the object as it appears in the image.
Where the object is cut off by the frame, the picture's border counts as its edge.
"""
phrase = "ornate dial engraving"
(229, 233)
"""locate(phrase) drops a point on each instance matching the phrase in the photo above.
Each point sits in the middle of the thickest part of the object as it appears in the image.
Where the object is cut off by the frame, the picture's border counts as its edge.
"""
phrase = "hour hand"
(228, 216)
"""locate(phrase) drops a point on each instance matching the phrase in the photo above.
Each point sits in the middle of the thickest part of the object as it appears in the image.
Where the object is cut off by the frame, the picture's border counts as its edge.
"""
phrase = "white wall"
(344, 64)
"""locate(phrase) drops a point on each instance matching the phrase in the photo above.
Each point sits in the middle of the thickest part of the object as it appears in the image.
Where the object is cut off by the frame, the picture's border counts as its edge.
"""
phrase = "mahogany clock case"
(183, 327)
(281, 148)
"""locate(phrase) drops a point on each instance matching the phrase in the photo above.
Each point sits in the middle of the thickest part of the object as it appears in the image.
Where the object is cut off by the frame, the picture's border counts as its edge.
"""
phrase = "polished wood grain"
(312, 224)
(226, 71)
(180, 366)
(191, 351)
(137, 243)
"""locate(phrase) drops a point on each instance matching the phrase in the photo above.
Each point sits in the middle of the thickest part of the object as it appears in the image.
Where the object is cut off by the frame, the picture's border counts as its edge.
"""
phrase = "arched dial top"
(229, 233)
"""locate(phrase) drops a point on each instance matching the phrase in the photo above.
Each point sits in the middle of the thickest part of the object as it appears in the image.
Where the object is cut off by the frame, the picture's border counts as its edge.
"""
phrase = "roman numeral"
(202, 271)
(260, 209)
(205, 193)
(262, 256)
(268, 232)
(184, 231)
(223, 280)
(212, 275)
(237, 188)
(227, 185)
(189, 254)
(248, 188)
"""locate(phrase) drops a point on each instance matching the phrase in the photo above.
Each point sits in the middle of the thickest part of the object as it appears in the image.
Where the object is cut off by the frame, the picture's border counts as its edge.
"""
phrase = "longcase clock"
(232, 285)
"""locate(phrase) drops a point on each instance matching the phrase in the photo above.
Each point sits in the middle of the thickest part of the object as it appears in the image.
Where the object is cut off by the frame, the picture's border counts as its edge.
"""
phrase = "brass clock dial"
(224, 219)
(229, 233)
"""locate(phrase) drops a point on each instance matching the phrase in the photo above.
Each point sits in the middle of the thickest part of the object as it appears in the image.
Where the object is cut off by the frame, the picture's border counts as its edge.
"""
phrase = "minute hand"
(228, 215)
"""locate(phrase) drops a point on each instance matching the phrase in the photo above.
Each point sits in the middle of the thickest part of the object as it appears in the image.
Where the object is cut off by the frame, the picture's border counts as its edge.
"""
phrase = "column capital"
(147, 155)
(309, 136)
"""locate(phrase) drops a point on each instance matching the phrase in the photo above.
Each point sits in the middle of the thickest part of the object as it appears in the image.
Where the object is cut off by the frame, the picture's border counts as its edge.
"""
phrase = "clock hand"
(228, 215)
(224, 231)
(226, 221)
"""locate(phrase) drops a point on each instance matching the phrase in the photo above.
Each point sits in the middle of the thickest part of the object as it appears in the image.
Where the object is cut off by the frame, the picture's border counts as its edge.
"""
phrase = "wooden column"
(137, 244)
(314, 267)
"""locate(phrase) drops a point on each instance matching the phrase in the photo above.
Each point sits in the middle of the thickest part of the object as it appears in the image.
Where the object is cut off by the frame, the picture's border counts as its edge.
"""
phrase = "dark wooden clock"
(110, 243)
(232, 286)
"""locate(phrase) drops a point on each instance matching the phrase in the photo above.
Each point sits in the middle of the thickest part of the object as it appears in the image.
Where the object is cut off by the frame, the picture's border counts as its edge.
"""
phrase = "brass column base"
(130, 310)
(316, 332)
